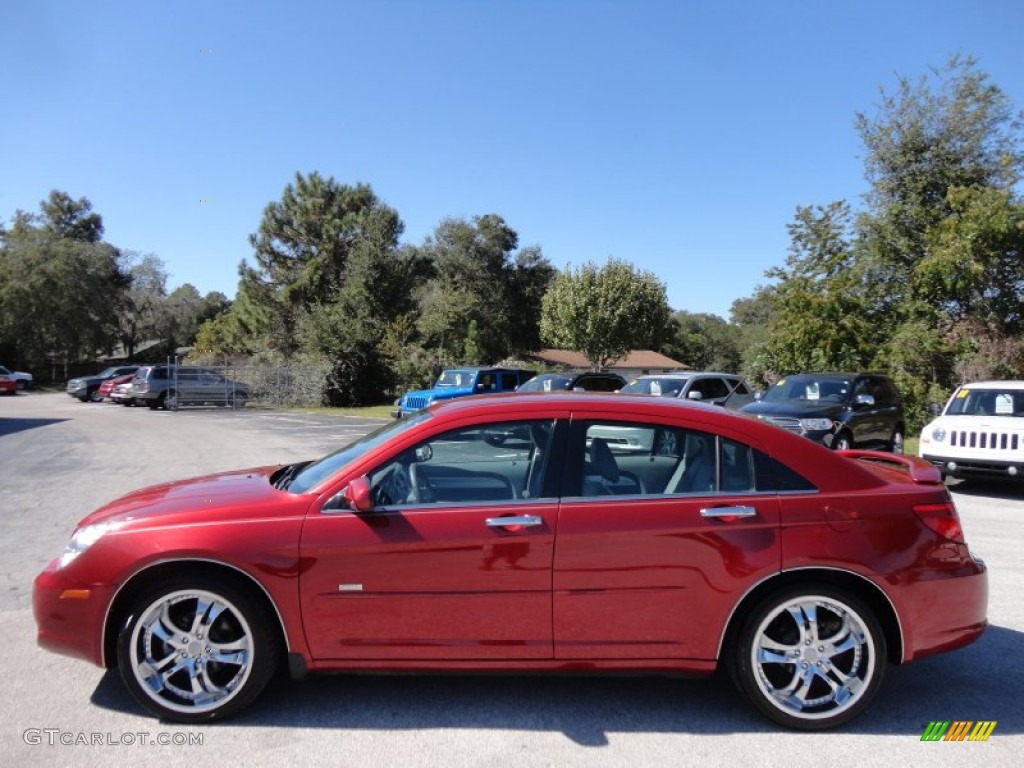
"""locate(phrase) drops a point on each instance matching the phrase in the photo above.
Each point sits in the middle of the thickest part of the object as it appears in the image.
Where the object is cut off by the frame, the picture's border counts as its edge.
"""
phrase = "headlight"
(816, 425)
(81, 540)
(938, 434)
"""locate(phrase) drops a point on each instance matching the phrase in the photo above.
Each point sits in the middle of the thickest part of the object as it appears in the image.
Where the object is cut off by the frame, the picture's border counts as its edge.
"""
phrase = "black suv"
(840, 410)
(87, 388)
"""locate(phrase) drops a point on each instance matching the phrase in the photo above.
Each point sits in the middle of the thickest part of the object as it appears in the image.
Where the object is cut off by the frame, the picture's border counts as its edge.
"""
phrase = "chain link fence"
(240, 385)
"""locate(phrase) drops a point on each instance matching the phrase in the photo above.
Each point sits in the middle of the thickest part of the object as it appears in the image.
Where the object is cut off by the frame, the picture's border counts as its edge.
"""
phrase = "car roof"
(834, 375)
(686, 375)
(994, 384)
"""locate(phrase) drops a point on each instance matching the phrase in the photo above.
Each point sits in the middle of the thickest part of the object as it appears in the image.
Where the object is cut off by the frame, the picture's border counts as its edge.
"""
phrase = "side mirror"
(934, 409)
(864, 400)
(692, 395)
(358, 494)
(758, 396)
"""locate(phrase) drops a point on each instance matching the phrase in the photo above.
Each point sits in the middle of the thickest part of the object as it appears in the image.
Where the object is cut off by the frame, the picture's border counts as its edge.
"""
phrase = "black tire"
(843, 442)
(210, 636)
(797, 653)
(896, 443)
(20, 385)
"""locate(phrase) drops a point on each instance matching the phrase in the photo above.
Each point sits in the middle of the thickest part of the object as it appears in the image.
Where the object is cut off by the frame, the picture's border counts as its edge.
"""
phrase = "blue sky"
(680, 136)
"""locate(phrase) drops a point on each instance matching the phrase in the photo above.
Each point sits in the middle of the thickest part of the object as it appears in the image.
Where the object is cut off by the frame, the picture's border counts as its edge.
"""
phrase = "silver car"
(726, 389)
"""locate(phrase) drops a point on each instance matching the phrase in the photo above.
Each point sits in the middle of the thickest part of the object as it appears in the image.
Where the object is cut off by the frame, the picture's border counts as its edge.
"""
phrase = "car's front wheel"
(843, 442)
(896, 444)
(194, 650)
(810, 657)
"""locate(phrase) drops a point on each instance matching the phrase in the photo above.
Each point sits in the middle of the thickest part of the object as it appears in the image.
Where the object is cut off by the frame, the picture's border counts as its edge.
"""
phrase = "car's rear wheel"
(194, 650)
(809, 657)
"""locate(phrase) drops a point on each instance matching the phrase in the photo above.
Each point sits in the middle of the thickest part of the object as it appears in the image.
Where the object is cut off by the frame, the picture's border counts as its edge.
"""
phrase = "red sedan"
(597, 533)
(106, 389)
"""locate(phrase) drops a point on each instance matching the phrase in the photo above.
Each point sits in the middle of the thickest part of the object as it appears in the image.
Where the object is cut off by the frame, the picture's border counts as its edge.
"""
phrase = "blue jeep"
(461, 382)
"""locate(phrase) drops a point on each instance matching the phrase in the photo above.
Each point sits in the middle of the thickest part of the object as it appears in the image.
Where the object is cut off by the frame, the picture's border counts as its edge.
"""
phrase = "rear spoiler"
(920, 471)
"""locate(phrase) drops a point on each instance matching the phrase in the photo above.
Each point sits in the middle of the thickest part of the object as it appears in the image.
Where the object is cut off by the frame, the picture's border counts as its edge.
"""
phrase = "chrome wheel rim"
(897, 443)
(813, 657)
(191, 651)
(171, 400)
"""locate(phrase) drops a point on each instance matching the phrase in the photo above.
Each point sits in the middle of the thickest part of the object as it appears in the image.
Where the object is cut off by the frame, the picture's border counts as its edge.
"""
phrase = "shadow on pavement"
(8, 426)
(980, 682)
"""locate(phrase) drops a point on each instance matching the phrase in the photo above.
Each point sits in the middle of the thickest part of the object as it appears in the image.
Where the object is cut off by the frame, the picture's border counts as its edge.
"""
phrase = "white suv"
(980, 433)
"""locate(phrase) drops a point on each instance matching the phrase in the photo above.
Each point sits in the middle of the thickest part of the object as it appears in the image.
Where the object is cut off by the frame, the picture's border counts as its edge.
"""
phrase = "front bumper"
(993, 469)
(70, 616)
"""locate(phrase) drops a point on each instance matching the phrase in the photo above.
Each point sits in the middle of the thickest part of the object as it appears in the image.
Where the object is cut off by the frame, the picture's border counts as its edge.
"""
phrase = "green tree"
(143, 313)
(604, 312)
(479, 278)
(704, 342)
(61, 287)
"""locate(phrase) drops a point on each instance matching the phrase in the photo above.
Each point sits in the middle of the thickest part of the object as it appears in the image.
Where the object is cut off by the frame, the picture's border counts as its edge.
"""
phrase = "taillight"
(941, 518)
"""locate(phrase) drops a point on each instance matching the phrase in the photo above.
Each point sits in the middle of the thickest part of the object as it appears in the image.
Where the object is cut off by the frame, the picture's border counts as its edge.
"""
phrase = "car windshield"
(4, 371)
(986, 402)
(546, 382)
(455, 378)
(808, 388)
(662, 387)
(107, 373)
(323, 468)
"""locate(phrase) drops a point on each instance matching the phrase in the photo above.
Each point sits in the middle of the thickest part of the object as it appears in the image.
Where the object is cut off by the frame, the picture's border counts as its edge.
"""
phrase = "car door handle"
(521, 521)
(728, 512)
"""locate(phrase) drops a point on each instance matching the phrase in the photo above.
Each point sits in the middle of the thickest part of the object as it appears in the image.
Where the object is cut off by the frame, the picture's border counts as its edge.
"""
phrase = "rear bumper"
(942, 612)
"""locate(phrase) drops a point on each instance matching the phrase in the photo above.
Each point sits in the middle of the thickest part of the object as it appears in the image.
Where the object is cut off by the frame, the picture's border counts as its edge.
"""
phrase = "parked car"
(424, 547)
(169, 386)
(87, 388)
(462, 382)
(8, 386)
(586, 381)
(22, 380)
(980, 433)
(122, 394)
(107, 387)
(839, 410)
(726, 389)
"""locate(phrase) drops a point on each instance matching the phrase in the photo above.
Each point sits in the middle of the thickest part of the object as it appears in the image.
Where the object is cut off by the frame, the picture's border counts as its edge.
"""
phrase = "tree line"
(922, 278)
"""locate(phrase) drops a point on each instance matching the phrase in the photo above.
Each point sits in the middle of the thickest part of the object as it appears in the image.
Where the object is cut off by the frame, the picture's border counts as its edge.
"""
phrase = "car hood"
(799, 409)
(227, 495)
(440, 393)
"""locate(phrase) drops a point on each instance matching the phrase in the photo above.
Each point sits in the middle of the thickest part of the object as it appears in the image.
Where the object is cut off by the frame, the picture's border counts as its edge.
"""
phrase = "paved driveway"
(59, 459)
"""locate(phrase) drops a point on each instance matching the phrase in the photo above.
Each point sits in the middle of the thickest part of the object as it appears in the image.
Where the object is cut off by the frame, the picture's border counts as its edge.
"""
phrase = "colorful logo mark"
(958, 730)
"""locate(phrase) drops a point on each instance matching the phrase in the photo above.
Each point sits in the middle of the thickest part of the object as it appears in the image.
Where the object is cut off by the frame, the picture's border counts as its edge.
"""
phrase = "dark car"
(726, 389)
(425, 547)
(87, 388)
(462, 382)
(587, 381)
(169, 386)
(839, 410)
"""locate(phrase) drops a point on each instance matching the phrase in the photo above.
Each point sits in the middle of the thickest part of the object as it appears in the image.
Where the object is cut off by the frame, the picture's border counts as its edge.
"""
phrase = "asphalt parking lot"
(60, 459)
